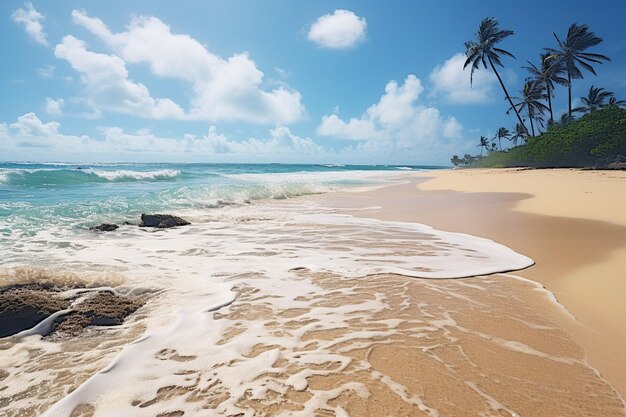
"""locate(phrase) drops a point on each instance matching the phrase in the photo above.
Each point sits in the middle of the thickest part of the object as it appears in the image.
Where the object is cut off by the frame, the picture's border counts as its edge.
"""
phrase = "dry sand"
(571, 222)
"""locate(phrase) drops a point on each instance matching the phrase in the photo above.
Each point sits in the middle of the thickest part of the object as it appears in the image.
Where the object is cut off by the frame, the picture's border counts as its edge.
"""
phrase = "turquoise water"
(33, 195)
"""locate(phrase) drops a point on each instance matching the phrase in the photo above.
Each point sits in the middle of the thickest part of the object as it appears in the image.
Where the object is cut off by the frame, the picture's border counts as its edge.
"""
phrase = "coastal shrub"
(589, 141)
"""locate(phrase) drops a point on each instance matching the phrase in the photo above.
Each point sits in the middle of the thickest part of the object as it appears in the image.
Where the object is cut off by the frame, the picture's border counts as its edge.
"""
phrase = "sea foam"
(251, 253)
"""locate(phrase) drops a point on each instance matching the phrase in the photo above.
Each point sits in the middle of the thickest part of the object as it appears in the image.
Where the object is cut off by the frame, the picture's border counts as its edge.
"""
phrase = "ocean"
(82, 195)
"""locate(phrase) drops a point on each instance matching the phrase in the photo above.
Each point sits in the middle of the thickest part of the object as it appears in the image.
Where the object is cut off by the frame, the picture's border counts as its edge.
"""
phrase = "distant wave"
(60, 177)
(123, 174)
(405, 168)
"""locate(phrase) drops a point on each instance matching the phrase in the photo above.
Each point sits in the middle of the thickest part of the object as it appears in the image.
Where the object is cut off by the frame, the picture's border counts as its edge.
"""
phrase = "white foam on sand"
(198, 271)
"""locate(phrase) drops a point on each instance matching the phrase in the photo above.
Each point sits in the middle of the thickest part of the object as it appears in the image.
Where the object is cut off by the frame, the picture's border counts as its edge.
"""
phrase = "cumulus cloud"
(31, 20)
(229, 89)
(398, 122)
(54, 107)
(44, 140)
(30, 125)
(107, 86)
(453, 83)
(340, 30)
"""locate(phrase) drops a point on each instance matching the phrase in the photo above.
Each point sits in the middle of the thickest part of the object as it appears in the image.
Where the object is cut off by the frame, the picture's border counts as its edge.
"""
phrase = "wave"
(61, 177)
(123, 174)
(405, 168)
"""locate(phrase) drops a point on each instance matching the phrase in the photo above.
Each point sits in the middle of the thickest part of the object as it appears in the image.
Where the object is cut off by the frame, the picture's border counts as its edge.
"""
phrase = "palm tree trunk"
(569, 94)
(500, 142)
(550, 105)
(532, 126)
(506, 93)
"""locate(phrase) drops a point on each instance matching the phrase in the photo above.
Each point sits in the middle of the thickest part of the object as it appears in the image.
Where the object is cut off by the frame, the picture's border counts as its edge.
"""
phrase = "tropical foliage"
(557, 67)
(502, 133)
(531, 103)
(482, 50)
(546, 76)
(484, 144)
(466, 161)
(570, 55)
(585, 142)
(596, 99)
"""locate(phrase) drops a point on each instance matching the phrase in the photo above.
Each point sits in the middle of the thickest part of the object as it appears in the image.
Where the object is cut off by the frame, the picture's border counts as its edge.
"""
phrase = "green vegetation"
(593, 139)
(599, 135)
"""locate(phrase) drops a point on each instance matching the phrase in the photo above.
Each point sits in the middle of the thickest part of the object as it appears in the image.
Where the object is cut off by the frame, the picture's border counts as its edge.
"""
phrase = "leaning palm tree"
(596, 98)
(532, 94)
(570, 54)
(483, 50)
(502, 133)
(484, 143)
(520, 133)
(548, 74)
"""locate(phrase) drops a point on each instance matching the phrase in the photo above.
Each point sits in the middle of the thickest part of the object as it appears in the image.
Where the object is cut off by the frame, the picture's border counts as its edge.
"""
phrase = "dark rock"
(100, 309)
(168, 223)
(24, 306)
(105, 227)
(162, 221)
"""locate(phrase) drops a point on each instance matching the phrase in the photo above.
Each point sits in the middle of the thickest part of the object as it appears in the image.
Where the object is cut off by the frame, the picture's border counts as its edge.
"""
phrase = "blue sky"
(276, 81)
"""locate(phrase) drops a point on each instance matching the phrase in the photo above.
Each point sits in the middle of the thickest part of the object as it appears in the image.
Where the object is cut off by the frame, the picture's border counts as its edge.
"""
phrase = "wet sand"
(571, 222)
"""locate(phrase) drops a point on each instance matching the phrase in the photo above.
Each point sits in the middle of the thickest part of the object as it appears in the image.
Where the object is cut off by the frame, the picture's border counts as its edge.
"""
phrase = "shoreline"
(314, 305)
(578, 255)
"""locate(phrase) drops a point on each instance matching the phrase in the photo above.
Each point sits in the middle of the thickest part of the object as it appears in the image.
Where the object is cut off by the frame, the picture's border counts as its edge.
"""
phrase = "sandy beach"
(571, 222)
(415, 297)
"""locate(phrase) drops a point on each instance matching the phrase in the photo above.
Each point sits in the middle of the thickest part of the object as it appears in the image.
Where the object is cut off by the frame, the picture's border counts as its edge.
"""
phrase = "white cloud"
(453, 83)
(47, 71)
(106, 83)
(355, 128)
(30, 125)
(398, 122)
(31, 20)
(222, 89)
(39, 140)
(282, 72)
(54, 107)
(340, 30)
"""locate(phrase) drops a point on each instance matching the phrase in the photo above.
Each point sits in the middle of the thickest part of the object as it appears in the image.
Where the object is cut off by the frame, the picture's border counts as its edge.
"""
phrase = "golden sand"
(571, 222)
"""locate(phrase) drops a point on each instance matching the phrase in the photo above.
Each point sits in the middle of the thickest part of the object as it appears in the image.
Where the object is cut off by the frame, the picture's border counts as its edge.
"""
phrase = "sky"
(351, 82)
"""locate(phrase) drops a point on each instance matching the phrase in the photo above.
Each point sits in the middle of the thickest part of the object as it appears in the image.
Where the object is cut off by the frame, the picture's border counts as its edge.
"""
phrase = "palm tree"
(484, 143)
(615, 102)
(532, 94)
(549, 73)
(520, 133)
(456, 161)
(595, 99)
(570, 54)
(483, 49)
(503, 132)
